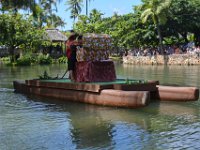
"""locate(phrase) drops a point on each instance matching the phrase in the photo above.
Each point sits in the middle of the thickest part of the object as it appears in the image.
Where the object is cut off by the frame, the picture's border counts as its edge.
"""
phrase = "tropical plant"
(45, 76)
(44, 59)
(17, 32)
(42, 11)
(25, 60)
(86, 6)
(157, 10)
(91, 24)
(14, 5)
(184, 19)
(62, 60)
(74, 7)
(27, 5)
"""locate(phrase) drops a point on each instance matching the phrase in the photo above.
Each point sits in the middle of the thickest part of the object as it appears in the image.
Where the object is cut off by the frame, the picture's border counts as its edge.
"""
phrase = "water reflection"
(103, 127)
(29, 122)
(181, 75)
(10, 73)
(89, 129)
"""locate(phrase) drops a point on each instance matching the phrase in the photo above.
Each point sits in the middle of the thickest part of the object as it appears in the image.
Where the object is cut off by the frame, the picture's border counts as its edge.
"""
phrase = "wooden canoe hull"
(106, 97)
(117, 95)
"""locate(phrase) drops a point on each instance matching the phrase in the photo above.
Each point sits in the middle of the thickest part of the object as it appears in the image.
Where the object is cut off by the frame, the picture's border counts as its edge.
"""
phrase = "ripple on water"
(24, 122)
(183, 137)
(32, 123)
(129, 136)
(6, 90)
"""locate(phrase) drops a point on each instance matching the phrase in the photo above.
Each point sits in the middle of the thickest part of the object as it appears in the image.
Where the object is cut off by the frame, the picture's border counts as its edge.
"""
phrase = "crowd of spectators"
(189, 48)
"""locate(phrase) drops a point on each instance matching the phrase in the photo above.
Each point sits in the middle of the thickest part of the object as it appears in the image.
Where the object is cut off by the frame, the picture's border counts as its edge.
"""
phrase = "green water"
(35, 123)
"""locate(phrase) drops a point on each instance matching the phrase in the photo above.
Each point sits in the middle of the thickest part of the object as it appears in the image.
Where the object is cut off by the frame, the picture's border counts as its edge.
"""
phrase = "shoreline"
(174, 59)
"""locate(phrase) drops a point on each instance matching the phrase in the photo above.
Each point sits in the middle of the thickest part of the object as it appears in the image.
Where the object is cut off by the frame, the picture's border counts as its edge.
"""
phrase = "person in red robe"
(71, 54)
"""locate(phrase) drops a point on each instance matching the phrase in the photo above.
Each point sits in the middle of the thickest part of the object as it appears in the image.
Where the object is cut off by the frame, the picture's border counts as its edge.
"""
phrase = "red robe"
(68, 50)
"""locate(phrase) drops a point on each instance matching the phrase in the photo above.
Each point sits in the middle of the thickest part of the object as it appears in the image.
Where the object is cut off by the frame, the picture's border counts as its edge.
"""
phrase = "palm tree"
(86, 5)
(157, 10)
(16, 5)
(26, 4)
(54, 21)
(95, 16)
(75, 7)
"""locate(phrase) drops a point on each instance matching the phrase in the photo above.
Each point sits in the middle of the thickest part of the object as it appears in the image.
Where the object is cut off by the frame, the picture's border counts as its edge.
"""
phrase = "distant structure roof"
(55, 35)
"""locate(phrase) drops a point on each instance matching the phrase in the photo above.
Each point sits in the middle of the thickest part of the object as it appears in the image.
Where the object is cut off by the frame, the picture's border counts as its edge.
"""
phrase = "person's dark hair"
(73, 47)
(79, 37)
(73, 36)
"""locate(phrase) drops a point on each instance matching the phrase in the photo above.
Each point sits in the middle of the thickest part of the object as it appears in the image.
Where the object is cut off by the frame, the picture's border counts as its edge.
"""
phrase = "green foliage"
(44, 59)
(41, 11)
(26, 60)
(184, 19)
(127, 31)
(12, 5)
(170, 21)
(74, 7)
(168, 24)
(131, 81)
(158, 11)
(31, 59)
(45, 76)
(62, 60)
(18, 32)
(91, 24)
(172, 40)
(5, 59)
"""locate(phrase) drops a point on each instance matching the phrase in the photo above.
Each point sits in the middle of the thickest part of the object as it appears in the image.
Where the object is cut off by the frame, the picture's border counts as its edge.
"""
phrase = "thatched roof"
(55, 35)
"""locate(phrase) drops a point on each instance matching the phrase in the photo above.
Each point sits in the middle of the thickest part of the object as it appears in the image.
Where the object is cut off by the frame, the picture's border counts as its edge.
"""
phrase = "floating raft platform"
(119, 93)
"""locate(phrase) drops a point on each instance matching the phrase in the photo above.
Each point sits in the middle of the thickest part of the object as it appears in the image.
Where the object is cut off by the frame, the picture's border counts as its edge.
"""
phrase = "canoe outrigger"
(96, 83)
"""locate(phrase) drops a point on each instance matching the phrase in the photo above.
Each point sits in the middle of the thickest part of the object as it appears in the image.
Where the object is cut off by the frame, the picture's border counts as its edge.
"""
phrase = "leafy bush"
(24, 61)
(62, 60)
(44, 59)
(5, 59)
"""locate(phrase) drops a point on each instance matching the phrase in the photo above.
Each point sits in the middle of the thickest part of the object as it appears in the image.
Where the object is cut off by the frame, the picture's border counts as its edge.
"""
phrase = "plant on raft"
(129, 81)
(45, 76)
(62, 60)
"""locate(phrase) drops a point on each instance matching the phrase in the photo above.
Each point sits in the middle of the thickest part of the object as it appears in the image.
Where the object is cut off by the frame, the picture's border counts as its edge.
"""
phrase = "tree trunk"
(197, 38)
(12, 54)
(156, 22)
(185, 37)
(165, 57)
(86, 7)
(160, 39)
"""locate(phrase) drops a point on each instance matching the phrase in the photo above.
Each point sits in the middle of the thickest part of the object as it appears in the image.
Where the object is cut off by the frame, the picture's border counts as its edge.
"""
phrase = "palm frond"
(146, 14)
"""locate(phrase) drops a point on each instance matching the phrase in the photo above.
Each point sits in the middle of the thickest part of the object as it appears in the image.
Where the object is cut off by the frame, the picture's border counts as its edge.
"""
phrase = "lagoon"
(30, 122)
